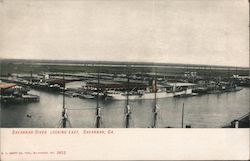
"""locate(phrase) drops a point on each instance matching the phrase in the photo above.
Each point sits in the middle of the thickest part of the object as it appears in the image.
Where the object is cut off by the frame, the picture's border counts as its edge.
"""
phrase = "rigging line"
(159, 115)
(70, 125)
(133, 89)
(103, 125)
(59, 122)
(59, 125)
(132, 121)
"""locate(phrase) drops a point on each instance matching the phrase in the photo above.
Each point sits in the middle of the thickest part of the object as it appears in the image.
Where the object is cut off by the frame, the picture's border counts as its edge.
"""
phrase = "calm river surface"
(207, 111)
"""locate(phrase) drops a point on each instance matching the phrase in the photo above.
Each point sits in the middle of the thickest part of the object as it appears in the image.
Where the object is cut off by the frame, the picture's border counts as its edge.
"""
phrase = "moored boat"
(86, 96)
(141, 95)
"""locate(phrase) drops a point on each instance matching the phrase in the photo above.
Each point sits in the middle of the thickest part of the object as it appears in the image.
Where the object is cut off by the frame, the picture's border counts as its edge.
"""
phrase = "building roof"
(6, 85)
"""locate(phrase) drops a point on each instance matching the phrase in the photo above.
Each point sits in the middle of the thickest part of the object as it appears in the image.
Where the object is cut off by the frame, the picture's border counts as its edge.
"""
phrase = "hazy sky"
(168, 31)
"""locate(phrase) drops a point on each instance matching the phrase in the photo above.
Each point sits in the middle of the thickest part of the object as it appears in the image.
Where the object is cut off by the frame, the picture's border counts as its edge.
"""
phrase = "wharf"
(25, 98)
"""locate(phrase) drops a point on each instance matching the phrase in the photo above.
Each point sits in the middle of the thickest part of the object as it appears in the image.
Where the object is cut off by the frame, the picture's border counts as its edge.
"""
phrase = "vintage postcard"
(124, 79)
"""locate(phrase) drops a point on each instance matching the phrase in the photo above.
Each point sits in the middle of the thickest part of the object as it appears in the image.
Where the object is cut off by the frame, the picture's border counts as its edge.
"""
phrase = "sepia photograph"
(125, 64)
(117, 64)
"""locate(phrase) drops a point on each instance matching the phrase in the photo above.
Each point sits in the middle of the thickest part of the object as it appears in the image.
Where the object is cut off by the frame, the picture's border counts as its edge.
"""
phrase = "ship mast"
(31, 74)
(64, 113)
(98, 108)
(155, 109)
(127, 109)
(31, 77)
(182, 116)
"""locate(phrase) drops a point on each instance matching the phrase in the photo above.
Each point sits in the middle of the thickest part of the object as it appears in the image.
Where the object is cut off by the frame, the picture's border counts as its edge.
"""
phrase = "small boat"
(235, 89)
(86, 96)
(67, 93)
(75, 94)
(201, 90)
(55, 88)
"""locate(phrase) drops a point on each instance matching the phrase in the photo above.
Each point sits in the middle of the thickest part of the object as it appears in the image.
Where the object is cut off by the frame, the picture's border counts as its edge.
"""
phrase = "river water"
(206, 111)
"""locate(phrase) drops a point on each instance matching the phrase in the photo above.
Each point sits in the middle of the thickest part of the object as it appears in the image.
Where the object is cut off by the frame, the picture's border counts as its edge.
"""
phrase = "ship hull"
(145, 96)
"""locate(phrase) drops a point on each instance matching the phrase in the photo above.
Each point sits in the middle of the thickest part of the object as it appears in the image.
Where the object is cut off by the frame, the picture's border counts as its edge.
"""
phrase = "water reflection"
(213, 110)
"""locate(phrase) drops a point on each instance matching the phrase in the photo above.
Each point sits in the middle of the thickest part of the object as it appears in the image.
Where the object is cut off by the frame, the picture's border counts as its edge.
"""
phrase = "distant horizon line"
(117, 62)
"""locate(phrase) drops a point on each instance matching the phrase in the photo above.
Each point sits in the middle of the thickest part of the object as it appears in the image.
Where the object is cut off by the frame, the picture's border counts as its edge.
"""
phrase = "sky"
(213, 32)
